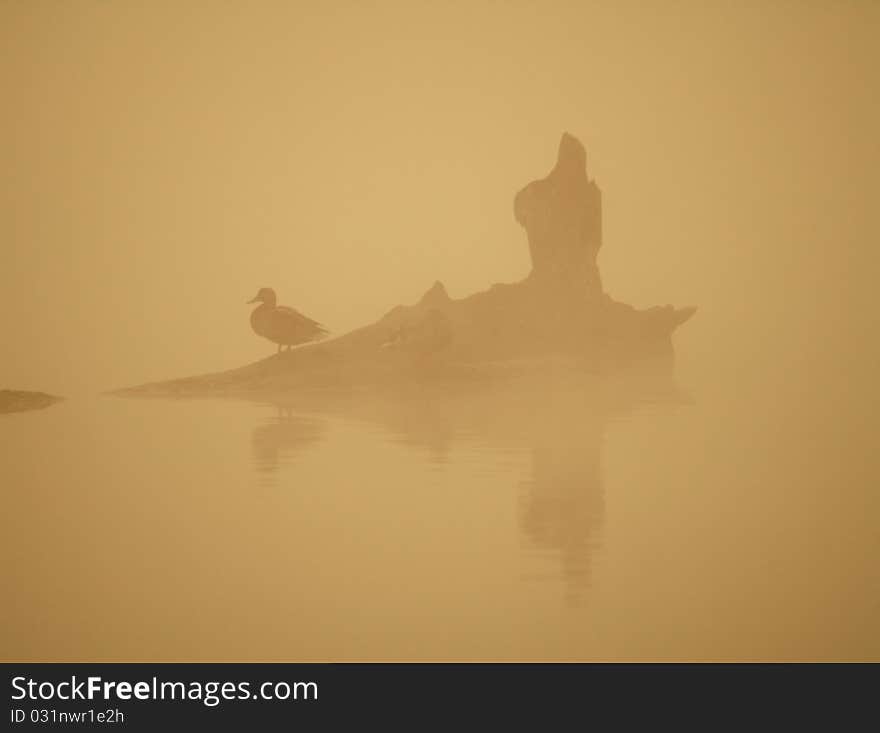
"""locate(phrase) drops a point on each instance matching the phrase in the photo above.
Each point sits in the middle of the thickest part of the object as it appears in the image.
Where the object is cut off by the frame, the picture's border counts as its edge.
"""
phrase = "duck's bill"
(252, 300)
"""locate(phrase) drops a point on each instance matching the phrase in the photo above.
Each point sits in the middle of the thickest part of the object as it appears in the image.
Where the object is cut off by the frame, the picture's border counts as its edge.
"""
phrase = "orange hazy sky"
(162, 161)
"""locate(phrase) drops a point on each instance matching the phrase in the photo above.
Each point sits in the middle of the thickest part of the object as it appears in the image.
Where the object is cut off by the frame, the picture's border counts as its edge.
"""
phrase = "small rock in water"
(12, 400)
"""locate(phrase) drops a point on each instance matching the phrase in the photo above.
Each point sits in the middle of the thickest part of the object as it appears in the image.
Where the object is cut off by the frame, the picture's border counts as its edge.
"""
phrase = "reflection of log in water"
(562, 504)
(281, 437)
(558, 417)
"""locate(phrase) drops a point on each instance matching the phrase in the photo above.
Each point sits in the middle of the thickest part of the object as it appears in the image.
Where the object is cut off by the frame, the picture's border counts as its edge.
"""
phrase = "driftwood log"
(559, 312)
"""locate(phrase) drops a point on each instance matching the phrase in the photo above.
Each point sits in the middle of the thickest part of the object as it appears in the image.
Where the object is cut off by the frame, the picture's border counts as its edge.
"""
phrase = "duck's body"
(282, 325)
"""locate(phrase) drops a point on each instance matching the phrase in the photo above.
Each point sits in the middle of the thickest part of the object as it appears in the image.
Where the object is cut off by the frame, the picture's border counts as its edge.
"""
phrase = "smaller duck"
(282, 325)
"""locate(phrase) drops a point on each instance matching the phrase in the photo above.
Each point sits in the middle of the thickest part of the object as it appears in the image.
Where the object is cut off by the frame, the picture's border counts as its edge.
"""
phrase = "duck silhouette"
(280, 324)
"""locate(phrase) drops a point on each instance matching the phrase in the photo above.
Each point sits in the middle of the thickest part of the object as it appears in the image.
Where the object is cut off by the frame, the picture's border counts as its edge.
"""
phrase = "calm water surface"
(561, 525)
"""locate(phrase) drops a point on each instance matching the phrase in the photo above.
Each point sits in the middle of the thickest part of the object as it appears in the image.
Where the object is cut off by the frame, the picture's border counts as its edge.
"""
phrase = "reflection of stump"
(562, 215)
(563, 505)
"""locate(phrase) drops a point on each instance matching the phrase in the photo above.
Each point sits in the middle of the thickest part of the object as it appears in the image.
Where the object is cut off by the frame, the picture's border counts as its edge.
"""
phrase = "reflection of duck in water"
(281, 436)
(280, 324)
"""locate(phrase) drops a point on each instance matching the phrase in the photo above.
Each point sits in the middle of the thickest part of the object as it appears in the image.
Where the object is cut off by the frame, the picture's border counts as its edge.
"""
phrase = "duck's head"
(265, 295)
